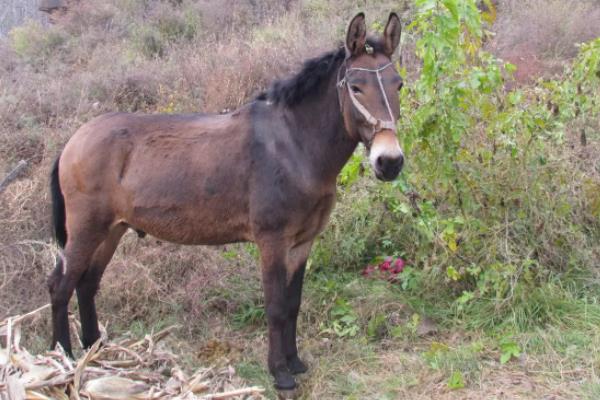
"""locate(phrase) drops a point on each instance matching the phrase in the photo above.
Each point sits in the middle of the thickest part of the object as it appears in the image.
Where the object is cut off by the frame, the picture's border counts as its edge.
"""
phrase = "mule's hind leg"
(80, 248)
(88, 285)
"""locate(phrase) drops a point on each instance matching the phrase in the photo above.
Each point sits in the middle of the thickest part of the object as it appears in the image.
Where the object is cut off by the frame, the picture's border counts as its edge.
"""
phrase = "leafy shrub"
(148, 41)
(34, 43)
(135, 93)
(167, 24)
(174, 27)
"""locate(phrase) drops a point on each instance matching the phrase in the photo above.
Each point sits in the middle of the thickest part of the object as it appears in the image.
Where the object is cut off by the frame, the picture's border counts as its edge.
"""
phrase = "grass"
(562, 352)
(558, 356)
(256, 372)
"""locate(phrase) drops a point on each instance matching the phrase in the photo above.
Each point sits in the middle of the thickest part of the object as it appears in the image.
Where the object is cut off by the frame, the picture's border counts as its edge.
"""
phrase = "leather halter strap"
(377, 124)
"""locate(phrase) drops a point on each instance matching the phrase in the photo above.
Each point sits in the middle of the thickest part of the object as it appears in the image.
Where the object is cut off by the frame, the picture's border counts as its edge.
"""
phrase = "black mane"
(313, 74)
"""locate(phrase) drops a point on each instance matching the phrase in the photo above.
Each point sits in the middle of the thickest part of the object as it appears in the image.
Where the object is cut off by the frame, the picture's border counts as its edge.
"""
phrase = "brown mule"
(264, 173)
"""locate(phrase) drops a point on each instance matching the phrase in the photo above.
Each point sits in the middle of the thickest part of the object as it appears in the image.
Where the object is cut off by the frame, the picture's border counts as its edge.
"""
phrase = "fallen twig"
(12, 175)
(234, 393)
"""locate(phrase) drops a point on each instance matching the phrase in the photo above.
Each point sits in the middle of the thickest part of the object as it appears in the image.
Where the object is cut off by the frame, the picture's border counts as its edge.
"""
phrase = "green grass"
(465, 358)
(257, 374)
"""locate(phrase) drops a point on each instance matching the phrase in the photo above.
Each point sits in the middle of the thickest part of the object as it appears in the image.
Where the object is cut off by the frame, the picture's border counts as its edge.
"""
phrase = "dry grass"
(538, 35)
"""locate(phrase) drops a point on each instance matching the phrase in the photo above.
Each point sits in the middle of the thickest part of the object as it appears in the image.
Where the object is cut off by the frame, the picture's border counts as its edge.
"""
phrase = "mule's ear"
(391, 34)
(356, 36)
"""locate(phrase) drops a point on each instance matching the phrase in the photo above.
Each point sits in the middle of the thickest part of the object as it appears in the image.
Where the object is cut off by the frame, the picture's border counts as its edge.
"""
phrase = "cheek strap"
(377, 124)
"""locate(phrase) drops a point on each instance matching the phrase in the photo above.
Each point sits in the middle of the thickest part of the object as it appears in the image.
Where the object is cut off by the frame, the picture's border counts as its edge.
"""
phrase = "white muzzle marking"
(385, 144)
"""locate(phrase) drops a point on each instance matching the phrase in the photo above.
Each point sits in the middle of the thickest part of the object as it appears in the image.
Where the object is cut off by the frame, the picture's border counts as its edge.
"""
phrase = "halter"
(378, 125)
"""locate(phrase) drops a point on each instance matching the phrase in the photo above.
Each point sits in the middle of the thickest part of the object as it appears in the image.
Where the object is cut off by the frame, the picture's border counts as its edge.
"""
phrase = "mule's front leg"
(295, 365)
(297, 257)
(274, 275)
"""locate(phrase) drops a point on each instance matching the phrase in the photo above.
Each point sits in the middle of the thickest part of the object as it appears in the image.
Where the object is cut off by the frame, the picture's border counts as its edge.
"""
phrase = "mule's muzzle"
(387, 168)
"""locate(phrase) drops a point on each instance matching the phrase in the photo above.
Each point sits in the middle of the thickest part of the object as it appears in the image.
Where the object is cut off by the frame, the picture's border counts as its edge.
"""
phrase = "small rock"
(426, 327)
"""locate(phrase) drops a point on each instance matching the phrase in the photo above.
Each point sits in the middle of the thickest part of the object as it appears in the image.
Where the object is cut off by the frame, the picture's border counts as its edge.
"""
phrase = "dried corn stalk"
(128, 369)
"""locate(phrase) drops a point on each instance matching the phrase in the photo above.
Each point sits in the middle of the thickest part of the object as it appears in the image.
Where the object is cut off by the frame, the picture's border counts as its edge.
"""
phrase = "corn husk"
(142, 369)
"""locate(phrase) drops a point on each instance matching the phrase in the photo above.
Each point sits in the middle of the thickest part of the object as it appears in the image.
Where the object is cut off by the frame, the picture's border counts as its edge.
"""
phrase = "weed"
(148, 41)
(249, 315)
(175, 27)
(509, 350)
(461, 362)
(456, 381)
(343, 322)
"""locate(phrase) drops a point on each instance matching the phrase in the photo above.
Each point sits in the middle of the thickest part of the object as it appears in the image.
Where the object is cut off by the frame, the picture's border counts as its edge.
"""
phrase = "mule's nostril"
(387, 168)
(384, 162)
(400, 162)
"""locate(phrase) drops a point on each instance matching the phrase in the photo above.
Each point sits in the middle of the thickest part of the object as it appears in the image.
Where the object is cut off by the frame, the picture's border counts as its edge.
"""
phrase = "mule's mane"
(315, 72)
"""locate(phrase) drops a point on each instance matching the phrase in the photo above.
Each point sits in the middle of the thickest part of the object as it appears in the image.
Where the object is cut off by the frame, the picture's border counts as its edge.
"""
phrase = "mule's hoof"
(284, 380)
(296, 366)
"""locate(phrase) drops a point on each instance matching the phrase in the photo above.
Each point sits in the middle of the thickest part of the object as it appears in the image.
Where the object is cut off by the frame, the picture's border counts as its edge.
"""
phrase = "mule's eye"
(355, 89)
(400, 86)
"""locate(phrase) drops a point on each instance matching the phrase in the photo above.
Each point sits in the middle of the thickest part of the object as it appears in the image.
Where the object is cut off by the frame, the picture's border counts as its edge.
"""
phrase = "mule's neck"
(321, 130)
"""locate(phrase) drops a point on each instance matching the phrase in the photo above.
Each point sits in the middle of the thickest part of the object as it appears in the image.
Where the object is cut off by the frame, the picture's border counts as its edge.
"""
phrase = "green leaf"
(465, 297)
(376, 325)
(456, 381)
(452, 6)
(403, 208)
(510, 68)
(351, 170)
(452, 273)
(509, 350)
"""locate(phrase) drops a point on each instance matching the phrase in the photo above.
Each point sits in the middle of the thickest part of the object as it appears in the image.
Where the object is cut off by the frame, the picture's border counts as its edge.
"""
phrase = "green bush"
(491, 205)
(169, 26)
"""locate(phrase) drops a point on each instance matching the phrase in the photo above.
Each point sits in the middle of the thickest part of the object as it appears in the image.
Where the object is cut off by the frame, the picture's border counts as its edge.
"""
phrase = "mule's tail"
(58, 207)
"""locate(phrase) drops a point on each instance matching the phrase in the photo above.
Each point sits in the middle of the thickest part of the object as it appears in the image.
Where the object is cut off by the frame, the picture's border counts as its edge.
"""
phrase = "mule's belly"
(188, 216)
(178, 227)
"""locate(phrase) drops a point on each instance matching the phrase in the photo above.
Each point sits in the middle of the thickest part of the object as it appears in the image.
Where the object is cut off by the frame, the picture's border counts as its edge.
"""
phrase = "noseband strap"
(377, 124)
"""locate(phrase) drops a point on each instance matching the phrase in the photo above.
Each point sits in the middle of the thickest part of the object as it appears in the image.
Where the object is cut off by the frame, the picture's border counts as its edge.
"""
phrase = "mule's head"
(368, 90)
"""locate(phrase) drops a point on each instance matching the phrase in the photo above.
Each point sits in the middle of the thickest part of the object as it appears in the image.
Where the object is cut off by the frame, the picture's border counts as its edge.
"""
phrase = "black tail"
(58, 207)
